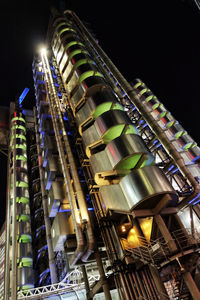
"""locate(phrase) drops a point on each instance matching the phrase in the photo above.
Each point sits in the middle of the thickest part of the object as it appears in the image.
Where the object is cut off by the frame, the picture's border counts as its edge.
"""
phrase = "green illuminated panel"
(87, 74)
(161, 115)
(117, 130)
(149, 98)
(189, 145)
(179, 134)
(18, 127)
(19, 146)
(20, 184)
(61, 24)
(23, 218)
(169, 124)
(20, 136)
(143, 91)
(129, 163)
(113, 133)
(105, 107)
(75, 52)
(27, 287)
(18, 119)
(72, 44)
(20, 157)
(24, 238)
(22, 200)
(26, 262)
(82, 62)
(66, 29)
(138, 84)
(131, 129)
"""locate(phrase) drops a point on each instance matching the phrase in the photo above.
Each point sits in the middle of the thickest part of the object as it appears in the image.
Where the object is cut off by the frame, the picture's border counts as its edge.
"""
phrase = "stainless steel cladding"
(96, 103)
(107, 127)
(119, 157)
(62, 228)
(25, 278)
(142, 188)
(110, 140)
(55, 196)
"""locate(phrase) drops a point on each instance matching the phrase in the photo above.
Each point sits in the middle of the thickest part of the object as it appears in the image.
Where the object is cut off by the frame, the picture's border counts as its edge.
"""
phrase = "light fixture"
(43, 51)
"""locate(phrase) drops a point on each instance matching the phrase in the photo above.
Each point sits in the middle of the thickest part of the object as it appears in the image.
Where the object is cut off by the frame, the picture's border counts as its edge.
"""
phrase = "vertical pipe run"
(67, 179)
(52, 265)
(77, 185)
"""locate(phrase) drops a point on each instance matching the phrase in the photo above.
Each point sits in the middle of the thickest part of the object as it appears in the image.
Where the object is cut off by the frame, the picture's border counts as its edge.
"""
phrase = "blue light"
(195, 198)
(22, 96)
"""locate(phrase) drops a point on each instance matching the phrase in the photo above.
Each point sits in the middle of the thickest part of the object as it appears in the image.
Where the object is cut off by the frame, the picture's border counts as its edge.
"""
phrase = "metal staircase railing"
(158, 250)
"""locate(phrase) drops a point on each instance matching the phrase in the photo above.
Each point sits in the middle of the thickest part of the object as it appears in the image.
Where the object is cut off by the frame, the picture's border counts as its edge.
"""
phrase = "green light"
(105, 107)
(138, 84)
(20, 136)
(21, 157)
(75, 52)
(19, 146)
(148, 98)
(18, 127)
(23, 218)
(179, 134)
(129, 163)
(66, 29)
(82, 62)
(131, 129)
(61, 24)
(143, 91)
(24, 238)
(26, 262)
(169, 124)
(161, 115)
(113, 133)
(72, 44)
(18, 119)
(22, 200)
(20, 184)
(88, 74)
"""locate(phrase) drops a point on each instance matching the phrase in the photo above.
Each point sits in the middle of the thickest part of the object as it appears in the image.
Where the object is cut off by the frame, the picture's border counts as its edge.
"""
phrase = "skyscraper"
(103, 182)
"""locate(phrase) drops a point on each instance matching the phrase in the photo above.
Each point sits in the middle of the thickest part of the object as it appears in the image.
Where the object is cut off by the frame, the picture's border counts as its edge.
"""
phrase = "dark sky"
(157, 41)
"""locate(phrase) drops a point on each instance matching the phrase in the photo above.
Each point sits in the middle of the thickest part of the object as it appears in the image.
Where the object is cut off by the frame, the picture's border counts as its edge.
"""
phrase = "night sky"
(157, 41)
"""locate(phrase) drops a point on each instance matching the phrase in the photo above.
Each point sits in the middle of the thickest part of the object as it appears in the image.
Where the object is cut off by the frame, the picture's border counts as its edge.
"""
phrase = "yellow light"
(123, 228)
(43, 51)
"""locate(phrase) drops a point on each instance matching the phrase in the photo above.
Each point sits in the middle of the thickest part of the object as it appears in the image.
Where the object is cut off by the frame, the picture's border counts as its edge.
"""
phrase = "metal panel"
(25, 250)
(142, 188)
(25, 278)
(62, 227)
(55, 197)
(107, 127)
(52, 170)
(119, 157)
(102, 101)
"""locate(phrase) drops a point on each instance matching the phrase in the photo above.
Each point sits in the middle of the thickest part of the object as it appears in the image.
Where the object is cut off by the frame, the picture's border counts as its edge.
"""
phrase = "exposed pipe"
(67, 179)
(79, 192)
(52, 265)
(170, 149)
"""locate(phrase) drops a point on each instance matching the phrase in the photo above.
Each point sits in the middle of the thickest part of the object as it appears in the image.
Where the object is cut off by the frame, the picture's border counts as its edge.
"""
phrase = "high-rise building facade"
(103, 186)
